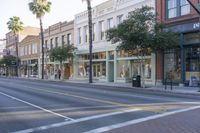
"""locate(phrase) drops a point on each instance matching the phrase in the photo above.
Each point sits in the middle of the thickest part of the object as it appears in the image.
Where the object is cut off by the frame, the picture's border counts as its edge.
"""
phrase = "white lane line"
(119, 125)
(38, 107)
(75, 121)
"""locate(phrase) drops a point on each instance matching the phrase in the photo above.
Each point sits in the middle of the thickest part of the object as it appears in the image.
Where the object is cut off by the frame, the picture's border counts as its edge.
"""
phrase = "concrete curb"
(134, 89)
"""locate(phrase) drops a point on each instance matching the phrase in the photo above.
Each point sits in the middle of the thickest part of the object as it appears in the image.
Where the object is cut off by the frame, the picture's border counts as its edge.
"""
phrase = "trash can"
(136, 81)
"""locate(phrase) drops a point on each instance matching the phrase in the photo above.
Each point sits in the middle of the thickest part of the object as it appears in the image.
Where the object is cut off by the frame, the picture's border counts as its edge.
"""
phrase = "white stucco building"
(108, 64)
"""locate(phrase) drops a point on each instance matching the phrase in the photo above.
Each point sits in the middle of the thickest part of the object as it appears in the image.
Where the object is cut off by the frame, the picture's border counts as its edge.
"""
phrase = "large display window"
(129, 68)
(192, 62)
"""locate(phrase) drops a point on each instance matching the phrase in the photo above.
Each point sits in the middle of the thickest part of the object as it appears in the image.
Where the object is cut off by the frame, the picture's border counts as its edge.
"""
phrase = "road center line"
(119, 125)
(36, 106)
(80, 97)
(75, 121)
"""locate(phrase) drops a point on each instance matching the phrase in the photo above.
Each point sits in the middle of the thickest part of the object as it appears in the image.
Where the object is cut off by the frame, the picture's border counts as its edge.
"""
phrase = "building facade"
(12, 40)
(182, 63)
(56, 35)
(29, 53)
(109, 64)
(3, 52)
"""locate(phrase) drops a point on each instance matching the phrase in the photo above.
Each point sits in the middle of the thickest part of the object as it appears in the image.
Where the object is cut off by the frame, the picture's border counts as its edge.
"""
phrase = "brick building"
(56, 35)
(29, 53)
(183, 63)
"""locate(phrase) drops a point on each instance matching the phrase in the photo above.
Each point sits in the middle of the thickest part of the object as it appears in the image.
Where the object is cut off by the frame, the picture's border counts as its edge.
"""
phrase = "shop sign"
(184, 27)
(196, 25)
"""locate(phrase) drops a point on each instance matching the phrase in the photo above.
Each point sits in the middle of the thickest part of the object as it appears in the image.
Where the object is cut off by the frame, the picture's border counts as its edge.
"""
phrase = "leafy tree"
(62, 53)
(39, 8)
(8, 62)
(15, 25)
(140, 32)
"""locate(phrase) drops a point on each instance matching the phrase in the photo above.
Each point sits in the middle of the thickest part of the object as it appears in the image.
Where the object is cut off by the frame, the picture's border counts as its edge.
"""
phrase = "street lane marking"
(80, 97)
(75, 121)
(38, 107)
(119, 125)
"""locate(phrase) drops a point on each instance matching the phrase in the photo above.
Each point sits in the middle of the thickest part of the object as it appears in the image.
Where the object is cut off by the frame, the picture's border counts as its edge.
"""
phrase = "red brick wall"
(161, 17)
(161, 14)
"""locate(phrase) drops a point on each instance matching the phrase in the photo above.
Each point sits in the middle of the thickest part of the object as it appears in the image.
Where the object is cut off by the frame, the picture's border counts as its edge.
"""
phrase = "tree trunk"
(90, 39)
(42, 43)
(17, 61)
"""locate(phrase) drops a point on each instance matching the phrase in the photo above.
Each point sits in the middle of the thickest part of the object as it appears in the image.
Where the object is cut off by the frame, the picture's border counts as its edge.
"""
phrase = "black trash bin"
(136, 81)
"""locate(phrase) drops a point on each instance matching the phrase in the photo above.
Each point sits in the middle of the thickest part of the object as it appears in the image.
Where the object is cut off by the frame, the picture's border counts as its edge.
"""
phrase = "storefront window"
(192, 62)
(129, 68)
(136, 68)
(172, 65)
(123, 69)
(98, 69)
(83, 69)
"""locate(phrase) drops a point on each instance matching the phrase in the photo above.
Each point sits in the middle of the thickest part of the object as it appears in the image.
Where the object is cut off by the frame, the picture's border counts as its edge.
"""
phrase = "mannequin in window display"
(82, 71)
(147, 71)
(124, 72)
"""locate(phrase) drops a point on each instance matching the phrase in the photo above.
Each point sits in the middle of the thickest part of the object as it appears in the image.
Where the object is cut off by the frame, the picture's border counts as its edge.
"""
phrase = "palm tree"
(90, 37)
(39, 8)
(15, 25)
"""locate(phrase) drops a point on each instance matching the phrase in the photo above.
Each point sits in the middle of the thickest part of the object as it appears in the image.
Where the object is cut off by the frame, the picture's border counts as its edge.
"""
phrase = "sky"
(61, 10)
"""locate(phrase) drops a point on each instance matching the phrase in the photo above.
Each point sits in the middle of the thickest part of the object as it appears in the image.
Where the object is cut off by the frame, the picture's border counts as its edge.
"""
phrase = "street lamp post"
(90, 38)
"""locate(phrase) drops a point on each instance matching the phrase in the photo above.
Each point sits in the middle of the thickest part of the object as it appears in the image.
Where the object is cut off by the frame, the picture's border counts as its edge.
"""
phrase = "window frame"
(177, 8)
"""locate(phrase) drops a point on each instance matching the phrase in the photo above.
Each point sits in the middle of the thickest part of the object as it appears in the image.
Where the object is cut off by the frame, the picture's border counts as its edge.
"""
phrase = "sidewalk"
(175, 89)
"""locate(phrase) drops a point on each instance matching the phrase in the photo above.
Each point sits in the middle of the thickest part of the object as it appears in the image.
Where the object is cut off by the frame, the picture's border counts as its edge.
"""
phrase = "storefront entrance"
(99, 69)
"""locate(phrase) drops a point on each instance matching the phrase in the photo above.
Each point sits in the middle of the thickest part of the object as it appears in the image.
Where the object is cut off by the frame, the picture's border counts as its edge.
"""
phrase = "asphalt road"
(59, 107)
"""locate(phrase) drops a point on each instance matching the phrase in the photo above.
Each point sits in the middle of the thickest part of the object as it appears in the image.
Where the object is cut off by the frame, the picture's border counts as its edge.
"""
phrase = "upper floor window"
(79, 36)
(177, 8)
(69, 38)
(56, 42)
(110, 23)
(101, 30)
(93, 31)
(51, 43)
(85, 33)
(34, 48)
(185, 7)
(63, 40)
(21, 51)
(29, 50)
(46, 44)
(119, 19)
